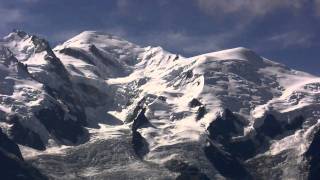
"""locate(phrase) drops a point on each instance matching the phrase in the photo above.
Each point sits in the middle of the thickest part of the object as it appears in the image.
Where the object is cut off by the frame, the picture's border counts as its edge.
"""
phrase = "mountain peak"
(95, 33)
(238, 53)
(110, 44)
(16, 35)
(92, 35)
(97, 38)
(20, 33)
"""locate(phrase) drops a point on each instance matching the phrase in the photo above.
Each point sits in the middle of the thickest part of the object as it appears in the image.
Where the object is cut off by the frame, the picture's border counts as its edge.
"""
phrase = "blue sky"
(282, 30)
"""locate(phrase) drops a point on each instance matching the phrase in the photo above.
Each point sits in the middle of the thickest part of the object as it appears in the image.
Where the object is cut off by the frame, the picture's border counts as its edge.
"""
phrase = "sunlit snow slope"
(146, 113)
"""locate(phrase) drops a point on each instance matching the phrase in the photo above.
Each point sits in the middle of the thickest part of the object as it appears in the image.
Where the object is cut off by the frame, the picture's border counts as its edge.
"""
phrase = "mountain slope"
(227, 114)
(38, 97)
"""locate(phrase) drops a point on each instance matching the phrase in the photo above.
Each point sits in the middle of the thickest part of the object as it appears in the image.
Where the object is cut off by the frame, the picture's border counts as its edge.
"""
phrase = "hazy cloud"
(9, 15)
(293, 38)
(248, 8)
(186, 44)
(317, 7)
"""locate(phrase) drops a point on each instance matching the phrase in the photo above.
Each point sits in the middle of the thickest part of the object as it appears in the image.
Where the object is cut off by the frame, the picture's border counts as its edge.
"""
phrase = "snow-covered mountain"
(100, 107)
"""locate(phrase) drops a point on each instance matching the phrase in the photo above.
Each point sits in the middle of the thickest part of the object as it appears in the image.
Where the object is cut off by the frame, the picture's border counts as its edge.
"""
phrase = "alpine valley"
(100, 107)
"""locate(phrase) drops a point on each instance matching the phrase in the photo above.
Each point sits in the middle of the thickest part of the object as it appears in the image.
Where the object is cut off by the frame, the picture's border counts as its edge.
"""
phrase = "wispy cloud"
(317, 7)
(292, 39)
(31, 1)
(187, 44)
(249, 9)
(9, 16)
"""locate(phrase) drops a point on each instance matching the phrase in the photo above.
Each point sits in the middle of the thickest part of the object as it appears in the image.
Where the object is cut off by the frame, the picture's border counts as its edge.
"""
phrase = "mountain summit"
(98, 106)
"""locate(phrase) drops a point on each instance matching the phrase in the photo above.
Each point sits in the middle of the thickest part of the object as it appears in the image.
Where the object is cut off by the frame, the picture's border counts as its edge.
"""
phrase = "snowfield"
(145, 113)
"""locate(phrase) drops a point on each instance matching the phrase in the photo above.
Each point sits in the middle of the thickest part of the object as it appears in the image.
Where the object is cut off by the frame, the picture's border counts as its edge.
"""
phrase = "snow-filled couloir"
(106, 108)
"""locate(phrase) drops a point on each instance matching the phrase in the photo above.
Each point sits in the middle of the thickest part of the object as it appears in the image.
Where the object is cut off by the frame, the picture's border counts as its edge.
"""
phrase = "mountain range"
(100, 107)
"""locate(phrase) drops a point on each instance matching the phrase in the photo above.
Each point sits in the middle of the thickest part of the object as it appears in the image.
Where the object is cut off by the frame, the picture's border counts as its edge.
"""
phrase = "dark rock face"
(107, 61)
(92, 96)
(176, 57)
(201, 112)
(225, 160)
(270, 127)
(13, 168)
(71, 101)
(25, 136)
(40, 44)
(12, 164)
(162, 98)
(8, 145)
(135, 111)
(187, 172)
(57, 69)
(142, 81)
(77, 53)
(22, 69)
(222, 129)
(140, 145)
(243, 149)
(235, 157)
(194, 103)
(20, 33)
(295, 123)
(225, 163)
(53, 119)
(7, 56)
(313, 155)
(189, 74)
(140, 120)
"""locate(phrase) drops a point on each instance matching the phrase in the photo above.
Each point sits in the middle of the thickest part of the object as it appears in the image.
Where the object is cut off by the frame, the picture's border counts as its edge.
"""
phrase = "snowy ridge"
(33, 94)
(172, 106)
